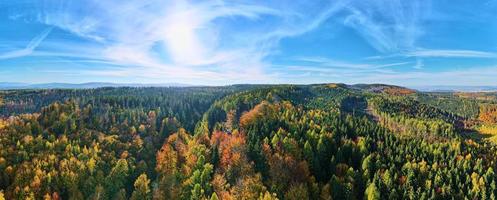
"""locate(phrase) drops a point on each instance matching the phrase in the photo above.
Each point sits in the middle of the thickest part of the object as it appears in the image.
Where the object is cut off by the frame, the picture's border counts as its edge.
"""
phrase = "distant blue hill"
(445, 88)
(17, 85)
(14, 85)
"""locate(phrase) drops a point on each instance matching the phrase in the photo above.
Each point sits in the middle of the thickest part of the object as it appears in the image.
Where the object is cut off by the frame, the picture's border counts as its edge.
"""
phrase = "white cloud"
(476, 76)
(419, 64)
(388, 25)
(35, 42)
(332, 63)
(451, 53)
(223, 41)
(178, 38)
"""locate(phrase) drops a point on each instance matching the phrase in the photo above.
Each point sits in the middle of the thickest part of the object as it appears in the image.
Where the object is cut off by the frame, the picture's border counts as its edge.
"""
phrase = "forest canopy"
(331, 141)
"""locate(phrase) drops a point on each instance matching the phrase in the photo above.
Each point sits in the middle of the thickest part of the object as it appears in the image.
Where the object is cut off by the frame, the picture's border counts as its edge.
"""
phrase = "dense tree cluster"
(113, 105)
(411, 118)
(488, 113)
(239, 142)
(464, 107)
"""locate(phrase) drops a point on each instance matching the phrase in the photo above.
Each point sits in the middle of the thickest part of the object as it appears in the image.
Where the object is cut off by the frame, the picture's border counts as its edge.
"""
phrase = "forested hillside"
(330, 141)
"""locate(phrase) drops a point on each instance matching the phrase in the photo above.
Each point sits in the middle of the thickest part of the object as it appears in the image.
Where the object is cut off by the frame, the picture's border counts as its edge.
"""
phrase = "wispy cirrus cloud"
(245, 41)
(476, 76)
(178, 37)
(337, 70)
(437, 53)
(451, 53)
(419, 64)
(333, 63)
(29, 48)
(394, 28)
(388, 25)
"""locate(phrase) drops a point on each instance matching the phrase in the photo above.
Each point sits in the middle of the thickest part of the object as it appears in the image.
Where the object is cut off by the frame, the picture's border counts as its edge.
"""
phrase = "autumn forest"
(323, 141)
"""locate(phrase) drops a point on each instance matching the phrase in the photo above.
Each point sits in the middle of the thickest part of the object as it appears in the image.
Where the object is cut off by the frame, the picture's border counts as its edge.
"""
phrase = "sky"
(402, 42)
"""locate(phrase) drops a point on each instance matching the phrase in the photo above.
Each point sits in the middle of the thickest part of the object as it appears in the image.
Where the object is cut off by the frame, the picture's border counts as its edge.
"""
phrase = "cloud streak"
(35, 42)
(388, 25)
(475, 76)
(451, 53)
(179, 37)
(241, 41)
(332, 63)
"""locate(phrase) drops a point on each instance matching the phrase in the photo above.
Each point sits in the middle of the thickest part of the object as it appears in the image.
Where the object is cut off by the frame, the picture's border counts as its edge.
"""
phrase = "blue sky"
(411, 43)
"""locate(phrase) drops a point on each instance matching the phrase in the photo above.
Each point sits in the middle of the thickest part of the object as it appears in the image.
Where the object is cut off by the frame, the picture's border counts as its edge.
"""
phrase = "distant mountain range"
(14, 85)
(446, 88)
